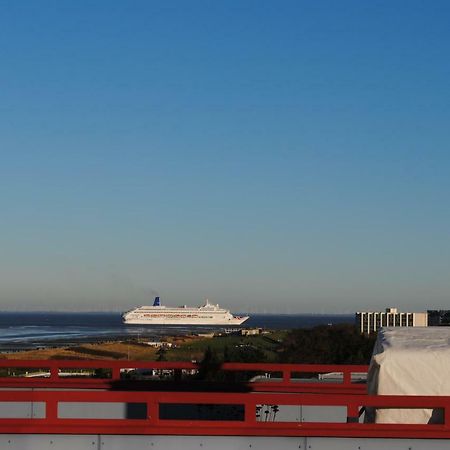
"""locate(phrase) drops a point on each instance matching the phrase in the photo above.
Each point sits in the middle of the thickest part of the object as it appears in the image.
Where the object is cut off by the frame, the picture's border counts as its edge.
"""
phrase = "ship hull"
(199, 322)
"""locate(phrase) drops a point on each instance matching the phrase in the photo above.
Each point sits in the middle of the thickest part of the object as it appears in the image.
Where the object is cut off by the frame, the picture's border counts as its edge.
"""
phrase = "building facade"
(439, 317)
(370, 322)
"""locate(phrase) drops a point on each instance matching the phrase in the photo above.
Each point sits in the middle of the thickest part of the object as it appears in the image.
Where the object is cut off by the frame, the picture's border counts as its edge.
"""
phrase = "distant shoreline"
(30, 330)
(181, 348)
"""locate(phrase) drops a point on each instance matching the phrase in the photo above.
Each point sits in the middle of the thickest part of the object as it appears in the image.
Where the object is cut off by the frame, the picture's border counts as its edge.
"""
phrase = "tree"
(209, 366)
(161, 352)
(337, 344)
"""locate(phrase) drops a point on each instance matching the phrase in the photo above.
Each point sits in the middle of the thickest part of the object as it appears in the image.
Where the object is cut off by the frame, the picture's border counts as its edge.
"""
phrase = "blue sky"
(273, 156)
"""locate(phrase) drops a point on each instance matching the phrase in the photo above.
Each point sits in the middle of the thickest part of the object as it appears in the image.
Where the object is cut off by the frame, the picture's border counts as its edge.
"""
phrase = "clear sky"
(277, 156)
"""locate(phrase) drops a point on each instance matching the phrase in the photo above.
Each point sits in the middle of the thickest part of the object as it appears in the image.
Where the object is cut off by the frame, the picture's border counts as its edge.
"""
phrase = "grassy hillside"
(187, 348)
(340, 344)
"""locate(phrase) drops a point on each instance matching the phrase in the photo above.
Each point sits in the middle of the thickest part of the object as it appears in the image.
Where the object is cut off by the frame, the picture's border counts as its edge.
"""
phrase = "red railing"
(246, 424)
(80, 407)
(51, 410)
(273, 378)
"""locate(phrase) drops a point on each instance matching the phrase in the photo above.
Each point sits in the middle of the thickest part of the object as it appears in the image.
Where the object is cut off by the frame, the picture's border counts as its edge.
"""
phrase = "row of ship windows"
(175, 310)
(191, 316)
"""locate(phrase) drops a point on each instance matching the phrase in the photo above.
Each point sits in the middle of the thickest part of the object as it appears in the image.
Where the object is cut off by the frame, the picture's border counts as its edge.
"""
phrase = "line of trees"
(337, 344)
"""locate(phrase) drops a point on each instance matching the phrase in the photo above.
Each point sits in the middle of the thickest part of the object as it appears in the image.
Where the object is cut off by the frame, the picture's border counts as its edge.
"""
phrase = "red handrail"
(247, 425)
(285, 380)
(285, 390)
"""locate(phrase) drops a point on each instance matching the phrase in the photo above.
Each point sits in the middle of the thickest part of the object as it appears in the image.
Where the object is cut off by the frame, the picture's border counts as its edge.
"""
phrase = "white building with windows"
(370, 322)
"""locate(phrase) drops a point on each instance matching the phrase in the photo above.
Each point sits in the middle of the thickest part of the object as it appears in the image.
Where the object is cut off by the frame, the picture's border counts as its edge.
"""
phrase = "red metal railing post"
(51, 409)
(447, 415)
(54, 373)
(115, 374)
(250, 412)
(347, 377)
(352, 413)
(153, 410)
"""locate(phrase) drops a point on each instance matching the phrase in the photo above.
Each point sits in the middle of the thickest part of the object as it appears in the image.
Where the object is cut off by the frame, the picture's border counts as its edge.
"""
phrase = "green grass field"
(237, 346)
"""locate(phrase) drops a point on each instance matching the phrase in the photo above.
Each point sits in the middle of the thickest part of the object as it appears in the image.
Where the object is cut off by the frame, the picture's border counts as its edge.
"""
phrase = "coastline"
(176, 347)
(104, 336)
(31, 330)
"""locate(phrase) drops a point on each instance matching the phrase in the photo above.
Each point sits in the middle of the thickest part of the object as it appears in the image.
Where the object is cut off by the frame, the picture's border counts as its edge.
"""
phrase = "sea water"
(42, 329)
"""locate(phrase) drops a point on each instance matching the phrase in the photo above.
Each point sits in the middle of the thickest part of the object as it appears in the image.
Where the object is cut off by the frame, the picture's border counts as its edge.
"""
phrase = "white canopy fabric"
(409, 361)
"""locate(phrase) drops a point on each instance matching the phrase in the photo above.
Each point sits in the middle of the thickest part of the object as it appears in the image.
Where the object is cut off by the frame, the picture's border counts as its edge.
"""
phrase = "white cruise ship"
(208, 314)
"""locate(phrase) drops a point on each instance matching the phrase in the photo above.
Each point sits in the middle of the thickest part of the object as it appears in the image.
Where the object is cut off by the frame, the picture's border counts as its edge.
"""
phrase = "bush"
(337, 344)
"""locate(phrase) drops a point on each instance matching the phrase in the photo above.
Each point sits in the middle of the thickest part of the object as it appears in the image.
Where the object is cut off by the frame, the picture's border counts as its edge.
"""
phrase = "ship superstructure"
(207, 314)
